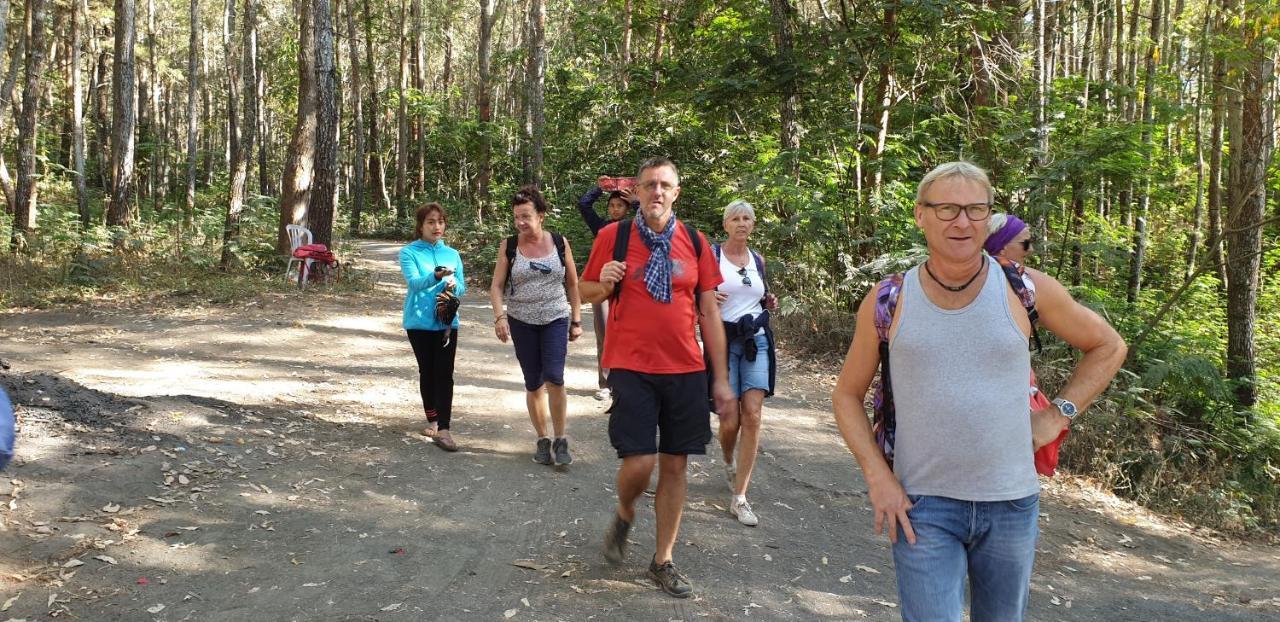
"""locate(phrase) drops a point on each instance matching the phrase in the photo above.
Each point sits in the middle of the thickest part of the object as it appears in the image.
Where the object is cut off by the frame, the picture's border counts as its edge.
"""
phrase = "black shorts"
(655, 413)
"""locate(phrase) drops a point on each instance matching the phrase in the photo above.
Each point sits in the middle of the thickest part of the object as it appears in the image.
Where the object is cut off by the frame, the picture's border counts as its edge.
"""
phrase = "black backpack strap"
(760, 269)
(696, 240)
(620, 241)
(558, 240)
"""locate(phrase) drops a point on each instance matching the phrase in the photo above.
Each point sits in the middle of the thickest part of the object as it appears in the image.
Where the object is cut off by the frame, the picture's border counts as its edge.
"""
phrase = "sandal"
(446, 443)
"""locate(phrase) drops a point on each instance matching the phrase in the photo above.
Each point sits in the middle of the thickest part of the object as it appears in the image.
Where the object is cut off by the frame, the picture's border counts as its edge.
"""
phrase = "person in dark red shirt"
(659, 293)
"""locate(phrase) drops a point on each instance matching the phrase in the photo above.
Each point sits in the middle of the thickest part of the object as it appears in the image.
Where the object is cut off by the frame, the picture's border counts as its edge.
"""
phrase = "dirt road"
(260, 462)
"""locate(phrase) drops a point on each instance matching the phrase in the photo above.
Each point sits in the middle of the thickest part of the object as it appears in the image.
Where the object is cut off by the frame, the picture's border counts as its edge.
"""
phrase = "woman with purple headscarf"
(1008, 237)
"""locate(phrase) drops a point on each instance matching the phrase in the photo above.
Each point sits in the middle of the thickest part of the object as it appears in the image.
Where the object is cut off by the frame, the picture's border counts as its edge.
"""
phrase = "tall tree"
(377, 171)
(1139, 251)
(535, 77)
(1247, 209)
(77, 115)
(24, 215)
(357, 122)
(789, 135)
(122, 114)
(295, 187)
(324, 192)
(484, 108)
(239, 165)
(249, 127)
(402, 116)
(193, 120)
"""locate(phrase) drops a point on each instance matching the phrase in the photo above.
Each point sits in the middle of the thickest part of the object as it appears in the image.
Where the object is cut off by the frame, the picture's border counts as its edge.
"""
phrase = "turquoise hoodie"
(418, 261)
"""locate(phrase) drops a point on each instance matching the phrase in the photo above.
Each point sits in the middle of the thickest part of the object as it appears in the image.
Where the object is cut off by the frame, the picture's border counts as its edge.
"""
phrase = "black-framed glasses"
(1027, 244)
(951, 211)
(746, 280)
(538, 266)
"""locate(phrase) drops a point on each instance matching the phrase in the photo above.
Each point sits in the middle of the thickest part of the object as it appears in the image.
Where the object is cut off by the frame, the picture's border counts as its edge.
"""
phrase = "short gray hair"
(964, 170)
(738, 206)
(657, 162)
(996, 222)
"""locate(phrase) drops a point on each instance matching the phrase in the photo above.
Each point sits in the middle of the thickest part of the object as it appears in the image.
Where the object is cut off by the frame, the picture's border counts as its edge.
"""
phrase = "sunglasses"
(746, 280)
(537, 266)
(1026, 245)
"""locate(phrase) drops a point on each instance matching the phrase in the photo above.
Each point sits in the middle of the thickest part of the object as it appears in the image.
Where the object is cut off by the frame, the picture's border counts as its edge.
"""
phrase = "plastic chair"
(298, 236)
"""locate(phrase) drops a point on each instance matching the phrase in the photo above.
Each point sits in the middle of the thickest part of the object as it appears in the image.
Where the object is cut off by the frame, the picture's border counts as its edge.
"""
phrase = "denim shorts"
(541, 350)
(745, 375)
(991, 543)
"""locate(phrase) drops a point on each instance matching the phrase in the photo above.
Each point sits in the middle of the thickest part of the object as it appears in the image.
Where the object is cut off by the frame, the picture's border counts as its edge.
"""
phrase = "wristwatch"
(1066, 407)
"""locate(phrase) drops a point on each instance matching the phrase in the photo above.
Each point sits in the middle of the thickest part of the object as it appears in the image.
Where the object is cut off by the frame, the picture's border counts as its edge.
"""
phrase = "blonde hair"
(964, 170)
(738, 206)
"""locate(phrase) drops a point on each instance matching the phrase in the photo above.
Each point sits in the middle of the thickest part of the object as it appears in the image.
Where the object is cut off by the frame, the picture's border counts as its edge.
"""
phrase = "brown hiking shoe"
(615, 540)
(669, 579)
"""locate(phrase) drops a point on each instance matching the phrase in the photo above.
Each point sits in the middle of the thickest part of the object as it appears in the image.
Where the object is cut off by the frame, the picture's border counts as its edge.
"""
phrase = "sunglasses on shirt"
(538, 266)
(746, 280)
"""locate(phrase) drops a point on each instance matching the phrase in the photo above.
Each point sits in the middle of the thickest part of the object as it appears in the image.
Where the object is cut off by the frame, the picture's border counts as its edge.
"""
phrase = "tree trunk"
(402, 117)
(1217, 117)
(1202, 64)
(1247, 208)
(626, 43)
(193, 86)
(1138, 256)
(324, 192)
(77, 116)
(122, 115)
(417, 128)
(788, 134)
(659, 40)
(239, 170)
(884, 92)
(151, 129)
(24, 215)
(357, 123)
(377, 172)
(260, 121)
(535, 74)
(249, 124)
(484, 113)
(295, 186)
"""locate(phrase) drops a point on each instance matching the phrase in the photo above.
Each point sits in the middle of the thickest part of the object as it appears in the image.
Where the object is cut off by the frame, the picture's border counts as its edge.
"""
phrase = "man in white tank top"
(961, 498)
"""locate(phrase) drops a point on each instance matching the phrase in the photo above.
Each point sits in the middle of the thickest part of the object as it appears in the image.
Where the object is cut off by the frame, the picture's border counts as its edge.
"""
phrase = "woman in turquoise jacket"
(430, 269)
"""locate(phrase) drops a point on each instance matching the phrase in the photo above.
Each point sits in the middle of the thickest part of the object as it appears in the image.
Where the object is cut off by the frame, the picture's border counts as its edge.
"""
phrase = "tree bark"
(357, 123)
(324, 192)
(626, 43)
(884, 92)
(1247, 208)
(122, 115)
(402, 117)
(193, 120)
(377, 172)
(249, 124)
(239, 169)
(788, 133)
(535, 73)
(484, 112)
(1217, 117)
(24, 215)
(1138, 254)
(77, 116)
(295, 186)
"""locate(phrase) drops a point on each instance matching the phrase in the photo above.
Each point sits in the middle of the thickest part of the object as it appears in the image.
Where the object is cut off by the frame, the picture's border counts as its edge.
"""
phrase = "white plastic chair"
(298, 236)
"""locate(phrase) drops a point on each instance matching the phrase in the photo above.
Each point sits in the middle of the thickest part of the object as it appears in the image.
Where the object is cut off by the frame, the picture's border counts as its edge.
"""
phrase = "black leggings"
(435, 372)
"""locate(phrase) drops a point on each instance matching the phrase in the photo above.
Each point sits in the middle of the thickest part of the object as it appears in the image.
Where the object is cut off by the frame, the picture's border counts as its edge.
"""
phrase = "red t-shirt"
(645, 335)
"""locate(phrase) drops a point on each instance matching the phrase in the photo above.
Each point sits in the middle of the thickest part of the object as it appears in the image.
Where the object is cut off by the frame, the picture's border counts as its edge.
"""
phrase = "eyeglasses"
(650, 186)
(538, 266)
(948, 212)
(1026, 245)
(746, 280)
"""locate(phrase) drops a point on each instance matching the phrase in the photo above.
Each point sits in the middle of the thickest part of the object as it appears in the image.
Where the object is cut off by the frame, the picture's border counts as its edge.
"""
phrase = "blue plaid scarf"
(657, 273)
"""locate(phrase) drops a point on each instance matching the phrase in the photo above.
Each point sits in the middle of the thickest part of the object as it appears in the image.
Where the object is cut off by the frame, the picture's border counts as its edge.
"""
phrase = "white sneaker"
(603, 395)
(742, 510)
(731, 476)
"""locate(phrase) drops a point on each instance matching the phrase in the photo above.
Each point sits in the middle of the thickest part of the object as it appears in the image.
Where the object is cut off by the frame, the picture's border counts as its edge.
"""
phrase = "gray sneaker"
(561, 449)
(543, 453)
(670, 580)
(615, 540)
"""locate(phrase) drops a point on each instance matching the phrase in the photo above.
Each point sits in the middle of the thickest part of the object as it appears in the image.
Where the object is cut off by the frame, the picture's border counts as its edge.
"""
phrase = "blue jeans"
(991, 542)
(745, 375)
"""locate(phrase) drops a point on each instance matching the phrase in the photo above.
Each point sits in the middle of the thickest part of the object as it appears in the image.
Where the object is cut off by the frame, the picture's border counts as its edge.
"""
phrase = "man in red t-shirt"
(656, 370)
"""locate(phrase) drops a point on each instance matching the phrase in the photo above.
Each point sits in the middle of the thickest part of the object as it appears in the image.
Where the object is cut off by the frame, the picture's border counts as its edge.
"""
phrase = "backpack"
(759, 265)
(623, 238)
(512, 243)
(884, 417)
